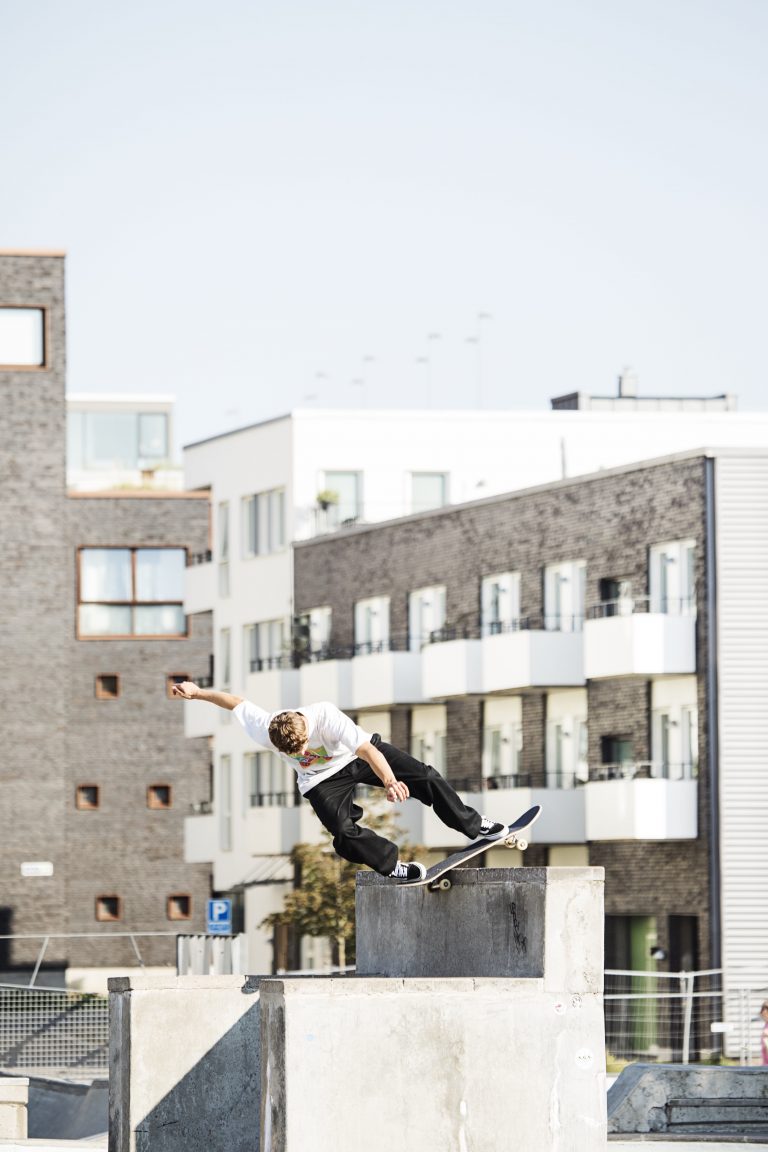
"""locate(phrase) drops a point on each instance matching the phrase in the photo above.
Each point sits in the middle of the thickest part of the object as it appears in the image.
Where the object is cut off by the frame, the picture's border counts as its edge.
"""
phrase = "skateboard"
(437, 878)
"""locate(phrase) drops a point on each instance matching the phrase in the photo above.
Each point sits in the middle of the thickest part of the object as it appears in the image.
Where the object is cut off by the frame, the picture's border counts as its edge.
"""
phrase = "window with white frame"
(225, 659)
(264, 528)
(426, 615)
(312, 633)
(566, 750)
(265, 645)
(672, 578)
(372, 625)
(502, 741)
(564, 596)
(428, 490)
(347, 505)
(22, 337)
(674, 728)
(271, 783)
(428, 735)
(223, 540)
(499, 602)
(225, 803)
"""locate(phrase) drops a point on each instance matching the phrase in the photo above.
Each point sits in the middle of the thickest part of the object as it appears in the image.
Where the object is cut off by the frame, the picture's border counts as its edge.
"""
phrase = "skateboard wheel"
(443, 884)
(522, 845)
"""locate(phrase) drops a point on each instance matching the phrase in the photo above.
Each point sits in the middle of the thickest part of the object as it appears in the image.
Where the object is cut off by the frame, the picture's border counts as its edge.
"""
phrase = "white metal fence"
(682, 1017)
(649, 1016)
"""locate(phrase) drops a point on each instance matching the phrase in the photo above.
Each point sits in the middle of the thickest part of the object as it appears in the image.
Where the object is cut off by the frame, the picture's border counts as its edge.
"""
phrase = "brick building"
(593, 645)
(96, 775)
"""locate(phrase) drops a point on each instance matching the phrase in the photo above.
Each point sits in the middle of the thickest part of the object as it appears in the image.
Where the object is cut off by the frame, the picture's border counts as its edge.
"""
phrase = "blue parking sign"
(220, 917)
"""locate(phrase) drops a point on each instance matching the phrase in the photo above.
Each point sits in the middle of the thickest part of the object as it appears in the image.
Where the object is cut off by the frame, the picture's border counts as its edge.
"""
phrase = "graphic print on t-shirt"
(312, 756)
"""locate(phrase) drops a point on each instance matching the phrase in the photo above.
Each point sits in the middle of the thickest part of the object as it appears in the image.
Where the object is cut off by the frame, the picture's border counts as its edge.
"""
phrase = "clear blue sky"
(253, 192)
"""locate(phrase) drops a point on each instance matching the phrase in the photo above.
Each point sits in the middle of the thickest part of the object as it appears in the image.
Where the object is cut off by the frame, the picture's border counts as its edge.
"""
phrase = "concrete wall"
(14, 1094)
(184, 1064)
(437, 1065)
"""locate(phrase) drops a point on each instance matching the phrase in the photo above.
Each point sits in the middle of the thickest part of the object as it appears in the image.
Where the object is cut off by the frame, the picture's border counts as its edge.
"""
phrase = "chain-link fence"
(52, 1032)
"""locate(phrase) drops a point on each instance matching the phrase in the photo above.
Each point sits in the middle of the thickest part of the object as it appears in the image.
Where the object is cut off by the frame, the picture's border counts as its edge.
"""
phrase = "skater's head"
(288, 732)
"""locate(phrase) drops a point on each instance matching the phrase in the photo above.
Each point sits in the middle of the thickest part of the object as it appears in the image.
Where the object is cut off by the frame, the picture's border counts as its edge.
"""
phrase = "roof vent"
(628, 382)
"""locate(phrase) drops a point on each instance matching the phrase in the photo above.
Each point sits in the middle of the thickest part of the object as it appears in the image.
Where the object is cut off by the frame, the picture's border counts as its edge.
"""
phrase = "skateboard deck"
(437, 877)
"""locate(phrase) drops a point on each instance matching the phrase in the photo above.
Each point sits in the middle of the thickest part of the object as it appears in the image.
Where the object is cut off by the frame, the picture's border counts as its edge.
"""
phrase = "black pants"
(334, 802)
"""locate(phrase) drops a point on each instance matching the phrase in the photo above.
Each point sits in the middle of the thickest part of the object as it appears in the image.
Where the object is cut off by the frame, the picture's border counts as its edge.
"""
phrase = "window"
(500, 602)
(372, 625)
(223, 529)
(225, 803)
(22, 337)
(264, 522)
(674, 728)
(131, 592)
(122, 440)
(265, 645)
(502, 741)
(426, 614)
(313, 632)
(564, 596)
(225, 659)
(271, 782)
(159, 796)
(107, 687)
(428, 490)
(428, 735)
(348, 507)
(87, 797)
(174, 678)
(672, 578)
(616, 596)
(566, 738)
(179, 906)
(617, 757)
(109, 908)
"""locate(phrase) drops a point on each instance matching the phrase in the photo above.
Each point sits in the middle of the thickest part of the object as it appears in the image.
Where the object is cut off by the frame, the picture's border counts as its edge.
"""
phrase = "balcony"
(200, 588)
(641, 801)
(562, 818)
(451, 667)
(629, 638)
(274, 831)
(273, 683)
(384, 675)
(532, 653)
(327, 675)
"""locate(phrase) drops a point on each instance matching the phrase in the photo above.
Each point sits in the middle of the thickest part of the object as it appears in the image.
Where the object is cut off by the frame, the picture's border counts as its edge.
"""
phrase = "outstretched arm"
(189, 691)
(396, 789)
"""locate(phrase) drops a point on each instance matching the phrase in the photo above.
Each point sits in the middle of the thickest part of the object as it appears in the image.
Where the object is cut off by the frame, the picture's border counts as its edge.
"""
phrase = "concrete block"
(14, 1095)
(654, 1098)
(430, 1065)
(184, 1064)
(517, 922)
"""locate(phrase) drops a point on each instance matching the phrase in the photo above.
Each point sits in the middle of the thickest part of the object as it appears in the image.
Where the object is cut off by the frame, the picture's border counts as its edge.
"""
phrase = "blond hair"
(288, 732)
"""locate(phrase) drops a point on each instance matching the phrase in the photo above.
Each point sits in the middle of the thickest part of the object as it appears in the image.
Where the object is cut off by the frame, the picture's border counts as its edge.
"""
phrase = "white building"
(312, 472)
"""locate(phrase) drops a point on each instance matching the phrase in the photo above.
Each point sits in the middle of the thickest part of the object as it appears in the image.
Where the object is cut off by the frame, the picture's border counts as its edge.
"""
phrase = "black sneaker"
(408, 871)
(491, 830)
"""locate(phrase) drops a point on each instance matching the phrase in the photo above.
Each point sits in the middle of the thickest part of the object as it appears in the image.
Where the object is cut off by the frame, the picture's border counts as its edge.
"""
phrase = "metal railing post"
(38, 962)
(686, 982)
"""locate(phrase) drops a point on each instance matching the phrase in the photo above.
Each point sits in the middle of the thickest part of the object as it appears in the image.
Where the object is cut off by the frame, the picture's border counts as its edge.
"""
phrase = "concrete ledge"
(14, 1098)
(645, 1098)
(430, 1064)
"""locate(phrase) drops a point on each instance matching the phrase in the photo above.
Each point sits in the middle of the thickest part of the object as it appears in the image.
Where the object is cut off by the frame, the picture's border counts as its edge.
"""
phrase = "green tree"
(323, 901)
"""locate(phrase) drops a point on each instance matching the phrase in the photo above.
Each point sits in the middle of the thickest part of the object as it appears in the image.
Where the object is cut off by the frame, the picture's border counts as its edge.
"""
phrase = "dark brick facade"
(608, 520)
(55, 733)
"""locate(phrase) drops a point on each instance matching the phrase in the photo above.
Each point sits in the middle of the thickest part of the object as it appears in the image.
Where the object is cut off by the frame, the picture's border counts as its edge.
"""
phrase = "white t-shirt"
(333, 739)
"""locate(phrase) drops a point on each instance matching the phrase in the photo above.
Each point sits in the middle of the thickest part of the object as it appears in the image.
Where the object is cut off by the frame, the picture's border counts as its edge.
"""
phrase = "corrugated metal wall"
(741, 510)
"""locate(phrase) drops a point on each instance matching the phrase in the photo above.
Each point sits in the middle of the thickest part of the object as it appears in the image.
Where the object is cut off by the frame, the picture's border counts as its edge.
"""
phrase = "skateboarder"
(331, 755)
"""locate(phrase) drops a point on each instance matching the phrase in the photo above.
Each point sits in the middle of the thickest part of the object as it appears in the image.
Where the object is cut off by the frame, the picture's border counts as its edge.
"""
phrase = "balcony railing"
(478, 629)
(631, 605)
(274, 799)
(199, 558)
(644, 770)
(491, 783)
